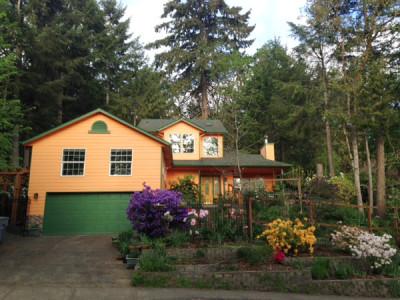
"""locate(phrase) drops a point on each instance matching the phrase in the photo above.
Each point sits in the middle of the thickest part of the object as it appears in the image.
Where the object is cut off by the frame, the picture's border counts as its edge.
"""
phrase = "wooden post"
(300, 194)
(311, 212)
(250, 217)
(369, 218)
(16, 198)
(396, 223)
(320, 171)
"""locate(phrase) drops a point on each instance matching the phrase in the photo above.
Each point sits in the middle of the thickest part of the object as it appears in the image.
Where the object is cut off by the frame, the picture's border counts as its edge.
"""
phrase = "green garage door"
(92, 213)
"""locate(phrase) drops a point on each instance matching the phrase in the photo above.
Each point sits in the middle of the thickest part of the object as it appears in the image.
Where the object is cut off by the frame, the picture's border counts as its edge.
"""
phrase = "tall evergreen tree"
(10, 107)
(199, 35)
(278, 102)
(315, 39)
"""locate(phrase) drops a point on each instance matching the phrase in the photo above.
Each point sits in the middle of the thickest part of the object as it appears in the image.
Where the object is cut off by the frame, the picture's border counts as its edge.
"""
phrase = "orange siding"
(45, 172)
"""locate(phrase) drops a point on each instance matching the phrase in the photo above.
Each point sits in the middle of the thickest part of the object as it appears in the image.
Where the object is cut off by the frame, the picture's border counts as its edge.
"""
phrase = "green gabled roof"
(87, 115)
(208, 126)
(229, 160)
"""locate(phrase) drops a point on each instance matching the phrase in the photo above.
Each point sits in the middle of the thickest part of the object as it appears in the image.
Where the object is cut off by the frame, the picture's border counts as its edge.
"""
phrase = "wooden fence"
(12, 187)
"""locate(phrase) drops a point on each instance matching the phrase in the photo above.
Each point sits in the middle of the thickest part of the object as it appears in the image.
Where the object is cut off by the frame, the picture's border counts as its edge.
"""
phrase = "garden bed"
(222, 267)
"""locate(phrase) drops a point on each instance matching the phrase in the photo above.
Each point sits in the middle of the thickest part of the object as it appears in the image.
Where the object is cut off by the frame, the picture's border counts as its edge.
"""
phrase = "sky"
(269, 16)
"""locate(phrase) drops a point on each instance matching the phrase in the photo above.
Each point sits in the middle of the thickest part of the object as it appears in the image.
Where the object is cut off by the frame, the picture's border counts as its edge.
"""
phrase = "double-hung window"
(210, 145)
(73, 162)
(182, 143)
(121, 162)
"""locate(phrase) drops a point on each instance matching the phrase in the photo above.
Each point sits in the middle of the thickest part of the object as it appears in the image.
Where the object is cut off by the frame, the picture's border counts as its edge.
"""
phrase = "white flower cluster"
(375, 248)
(346, 236)
(362, 244)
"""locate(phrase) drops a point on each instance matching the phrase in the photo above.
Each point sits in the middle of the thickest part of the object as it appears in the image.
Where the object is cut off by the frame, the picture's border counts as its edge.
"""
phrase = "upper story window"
(121, 162)
(182, 143)
(210, 145)
(73, 162)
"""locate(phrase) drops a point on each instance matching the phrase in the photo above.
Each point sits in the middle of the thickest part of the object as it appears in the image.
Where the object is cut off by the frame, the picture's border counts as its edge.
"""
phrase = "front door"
(210, 189)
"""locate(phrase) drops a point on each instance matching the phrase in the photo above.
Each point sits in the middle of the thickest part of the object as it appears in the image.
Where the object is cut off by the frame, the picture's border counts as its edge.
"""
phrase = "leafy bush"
(393, 270)
(155, 260)
(155, 212)
(177, 238)
(268, 214)
(345, 189)
(320, 268)
(290, 236)
(254, 255)
(344, 215)
(150, 280)
(189, 190)
(375, 250)
(324, 268)
(124, 240)
(344, 271)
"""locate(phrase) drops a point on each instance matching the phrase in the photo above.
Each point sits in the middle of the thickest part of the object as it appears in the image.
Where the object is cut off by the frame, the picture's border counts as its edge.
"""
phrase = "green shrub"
(393, 270)
(320, 268)
(155, 260)
(346, 215)
(324, 268)
(189, 189)
(254, 255)
(199, 253)
(268, 214)
(177, 239)
(345, 189)
(343, 271)
(149, 280)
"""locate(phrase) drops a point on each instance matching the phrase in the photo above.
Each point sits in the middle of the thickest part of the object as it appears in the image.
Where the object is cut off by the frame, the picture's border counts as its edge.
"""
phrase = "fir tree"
(199, 35)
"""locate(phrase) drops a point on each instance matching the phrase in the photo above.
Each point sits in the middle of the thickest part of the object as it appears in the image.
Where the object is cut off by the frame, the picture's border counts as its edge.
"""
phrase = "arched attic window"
(99, 127)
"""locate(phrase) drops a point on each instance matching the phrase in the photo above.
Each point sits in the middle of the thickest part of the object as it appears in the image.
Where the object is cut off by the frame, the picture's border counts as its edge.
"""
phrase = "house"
(83, 172)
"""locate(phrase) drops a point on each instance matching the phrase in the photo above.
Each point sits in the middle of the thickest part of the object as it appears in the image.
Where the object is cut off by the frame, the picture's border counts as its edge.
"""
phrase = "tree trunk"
(59, 110)
(329, 148)
(356, 164)
(204, 97)
(370, 184)
(107, 97)
(380, 176)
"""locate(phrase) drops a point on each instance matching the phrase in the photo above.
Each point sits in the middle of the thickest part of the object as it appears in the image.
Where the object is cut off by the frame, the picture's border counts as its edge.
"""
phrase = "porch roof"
(229, 160)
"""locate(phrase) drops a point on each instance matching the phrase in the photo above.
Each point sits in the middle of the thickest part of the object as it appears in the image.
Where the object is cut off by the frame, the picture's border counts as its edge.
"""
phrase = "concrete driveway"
(76, 261)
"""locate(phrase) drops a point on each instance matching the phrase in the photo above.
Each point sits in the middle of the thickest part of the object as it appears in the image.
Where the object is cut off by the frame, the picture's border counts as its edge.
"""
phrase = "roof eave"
(28, 142)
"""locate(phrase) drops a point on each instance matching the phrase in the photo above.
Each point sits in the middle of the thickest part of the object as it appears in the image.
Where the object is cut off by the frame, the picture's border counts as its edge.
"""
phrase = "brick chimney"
(268, 150)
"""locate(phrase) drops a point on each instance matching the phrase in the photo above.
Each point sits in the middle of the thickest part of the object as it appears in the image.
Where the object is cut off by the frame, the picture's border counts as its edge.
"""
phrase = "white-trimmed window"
(210, 145)
(182, 143)
(73, 162)
(121, 162)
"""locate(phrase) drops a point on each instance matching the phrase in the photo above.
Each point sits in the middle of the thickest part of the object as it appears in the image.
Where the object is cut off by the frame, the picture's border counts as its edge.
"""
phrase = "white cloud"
(269, 16)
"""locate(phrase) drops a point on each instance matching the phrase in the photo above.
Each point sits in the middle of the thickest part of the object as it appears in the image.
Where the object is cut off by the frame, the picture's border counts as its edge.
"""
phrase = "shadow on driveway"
(73, 261)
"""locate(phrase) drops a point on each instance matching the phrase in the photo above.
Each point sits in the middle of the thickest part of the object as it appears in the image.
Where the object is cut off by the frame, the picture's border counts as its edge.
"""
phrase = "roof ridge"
(87, 115)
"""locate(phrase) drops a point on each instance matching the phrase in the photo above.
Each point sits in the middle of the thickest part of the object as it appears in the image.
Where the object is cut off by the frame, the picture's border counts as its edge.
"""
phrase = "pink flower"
(203, 213)
(279, 256)
(192, 212)
(192, 222)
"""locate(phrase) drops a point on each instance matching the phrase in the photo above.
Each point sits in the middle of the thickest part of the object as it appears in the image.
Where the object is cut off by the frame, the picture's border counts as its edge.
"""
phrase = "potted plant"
(34, 230)
(132, 259)
(3, 225)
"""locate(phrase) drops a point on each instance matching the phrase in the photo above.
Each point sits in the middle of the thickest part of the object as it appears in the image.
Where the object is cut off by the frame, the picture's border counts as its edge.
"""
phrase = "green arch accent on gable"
(99, 127)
